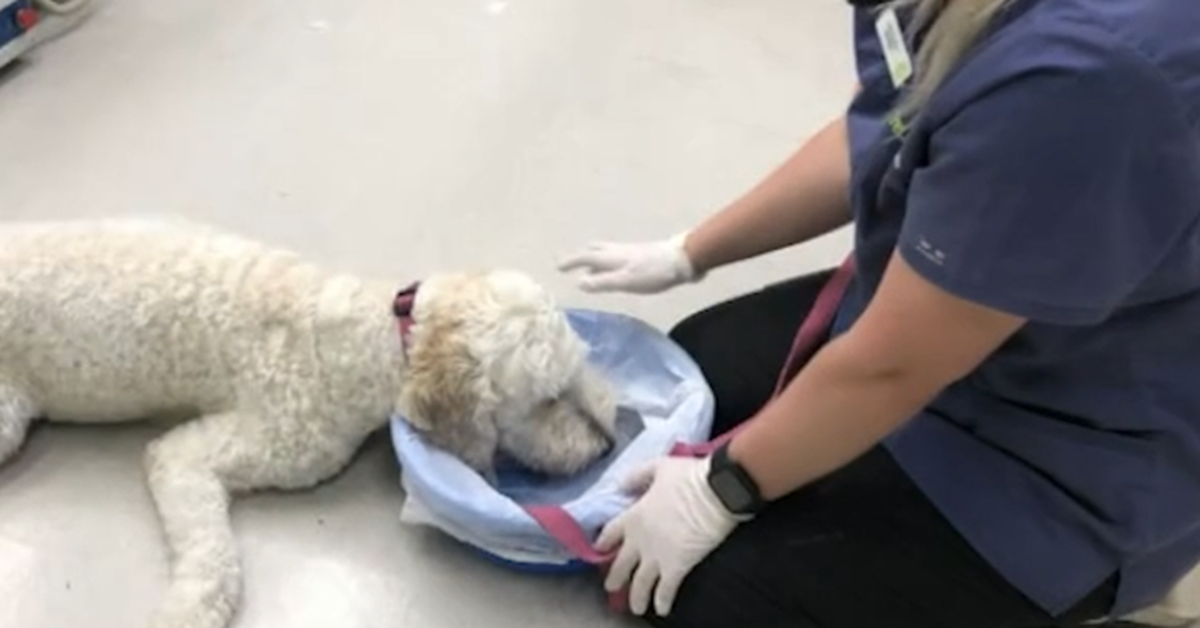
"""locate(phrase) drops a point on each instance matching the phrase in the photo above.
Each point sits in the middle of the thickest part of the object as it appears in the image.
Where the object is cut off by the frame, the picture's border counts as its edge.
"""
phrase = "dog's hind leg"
(17, 411)
(187, 470)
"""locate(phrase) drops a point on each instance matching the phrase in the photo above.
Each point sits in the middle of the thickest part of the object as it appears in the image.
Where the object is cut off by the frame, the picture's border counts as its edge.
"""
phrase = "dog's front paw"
(191, 618)
(194, 604)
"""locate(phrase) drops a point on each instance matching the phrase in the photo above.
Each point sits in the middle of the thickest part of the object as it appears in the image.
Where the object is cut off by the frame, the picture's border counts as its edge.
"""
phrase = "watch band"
(732, 484)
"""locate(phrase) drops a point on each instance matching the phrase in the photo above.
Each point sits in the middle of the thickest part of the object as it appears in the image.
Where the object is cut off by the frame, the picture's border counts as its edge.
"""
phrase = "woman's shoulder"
(1145, 53)
(1158, 35)
(1162, 33)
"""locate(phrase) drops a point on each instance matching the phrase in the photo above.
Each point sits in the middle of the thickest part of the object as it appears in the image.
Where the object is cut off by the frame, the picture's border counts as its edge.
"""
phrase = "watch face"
(731, 492)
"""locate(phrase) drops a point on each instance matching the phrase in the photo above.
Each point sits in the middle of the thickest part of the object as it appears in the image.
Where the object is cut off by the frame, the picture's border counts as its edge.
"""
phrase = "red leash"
(806, 342)
(559, 523)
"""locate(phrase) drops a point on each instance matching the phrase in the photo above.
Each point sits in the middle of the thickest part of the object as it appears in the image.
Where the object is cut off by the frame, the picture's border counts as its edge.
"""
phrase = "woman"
(1004, 428)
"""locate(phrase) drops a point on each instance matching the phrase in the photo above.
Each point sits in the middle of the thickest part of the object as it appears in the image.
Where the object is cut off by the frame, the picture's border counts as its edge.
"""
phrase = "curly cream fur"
(280, 369)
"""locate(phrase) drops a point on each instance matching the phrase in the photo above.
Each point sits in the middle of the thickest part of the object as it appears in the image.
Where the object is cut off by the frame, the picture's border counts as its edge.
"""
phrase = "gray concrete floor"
(394, 137)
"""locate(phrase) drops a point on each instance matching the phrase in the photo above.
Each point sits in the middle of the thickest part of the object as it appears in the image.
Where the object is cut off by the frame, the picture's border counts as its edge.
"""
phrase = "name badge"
(895, 49)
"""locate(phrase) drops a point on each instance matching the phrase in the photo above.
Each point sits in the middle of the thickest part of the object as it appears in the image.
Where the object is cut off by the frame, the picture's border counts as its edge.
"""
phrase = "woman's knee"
(689, 333)
(762, 321)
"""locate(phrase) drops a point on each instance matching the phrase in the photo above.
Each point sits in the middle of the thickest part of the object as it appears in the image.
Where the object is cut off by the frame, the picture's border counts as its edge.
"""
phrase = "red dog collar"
(402, 308)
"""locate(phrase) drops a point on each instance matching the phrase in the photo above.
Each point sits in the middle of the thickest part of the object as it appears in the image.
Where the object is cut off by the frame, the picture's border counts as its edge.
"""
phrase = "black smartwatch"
(732, 485)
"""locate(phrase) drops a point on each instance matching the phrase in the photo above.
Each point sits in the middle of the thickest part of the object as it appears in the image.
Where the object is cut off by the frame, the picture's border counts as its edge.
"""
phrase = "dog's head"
(494, 366)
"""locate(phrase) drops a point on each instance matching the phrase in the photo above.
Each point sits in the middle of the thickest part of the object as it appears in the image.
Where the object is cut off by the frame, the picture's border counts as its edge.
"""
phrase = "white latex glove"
(640, 267)
(672, 527)
(1181, 606)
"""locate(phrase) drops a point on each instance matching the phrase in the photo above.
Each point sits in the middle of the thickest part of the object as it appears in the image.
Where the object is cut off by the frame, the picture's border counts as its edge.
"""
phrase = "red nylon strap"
(806, 342)
(817, 324)
(559, 524)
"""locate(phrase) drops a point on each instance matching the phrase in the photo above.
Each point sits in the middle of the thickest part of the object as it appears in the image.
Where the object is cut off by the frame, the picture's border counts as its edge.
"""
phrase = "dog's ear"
(443, 395)
(435, 386)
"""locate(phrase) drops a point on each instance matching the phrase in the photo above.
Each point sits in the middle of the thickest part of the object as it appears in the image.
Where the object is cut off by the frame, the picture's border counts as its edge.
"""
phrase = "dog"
(273, 371)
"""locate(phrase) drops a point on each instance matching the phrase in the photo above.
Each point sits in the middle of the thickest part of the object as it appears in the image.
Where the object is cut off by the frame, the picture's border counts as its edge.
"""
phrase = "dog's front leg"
(193, 470)
(17, 410)
(187, 469)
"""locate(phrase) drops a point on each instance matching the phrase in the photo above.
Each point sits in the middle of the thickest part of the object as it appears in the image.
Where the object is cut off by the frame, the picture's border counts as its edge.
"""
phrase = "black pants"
(861, 548)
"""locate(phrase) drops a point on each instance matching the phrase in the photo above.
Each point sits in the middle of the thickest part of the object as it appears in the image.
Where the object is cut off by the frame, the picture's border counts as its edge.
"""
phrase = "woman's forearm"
(804, 198)
(835, 410)
(912, 341)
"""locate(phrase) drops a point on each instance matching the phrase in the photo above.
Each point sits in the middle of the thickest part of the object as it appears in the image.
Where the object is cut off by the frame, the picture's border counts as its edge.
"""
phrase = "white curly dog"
(278, 369)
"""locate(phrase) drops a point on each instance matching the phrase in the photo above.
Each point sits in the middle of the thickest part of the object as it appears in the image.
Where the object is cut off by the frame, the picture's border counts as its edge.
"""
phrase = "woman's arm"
(913, 340)
(806, 197)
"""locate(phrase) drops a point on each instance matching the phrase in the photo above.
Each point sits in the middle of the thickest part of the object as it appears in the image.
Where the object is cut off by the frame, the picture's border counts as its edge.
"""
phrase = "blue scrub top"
(1055, 175)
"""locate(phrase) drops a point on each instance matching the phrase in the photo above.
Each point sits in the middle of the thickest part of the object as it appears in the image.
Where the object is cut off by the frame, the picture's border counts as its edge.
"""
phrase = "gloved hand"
(640, 268)
(675, 523)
